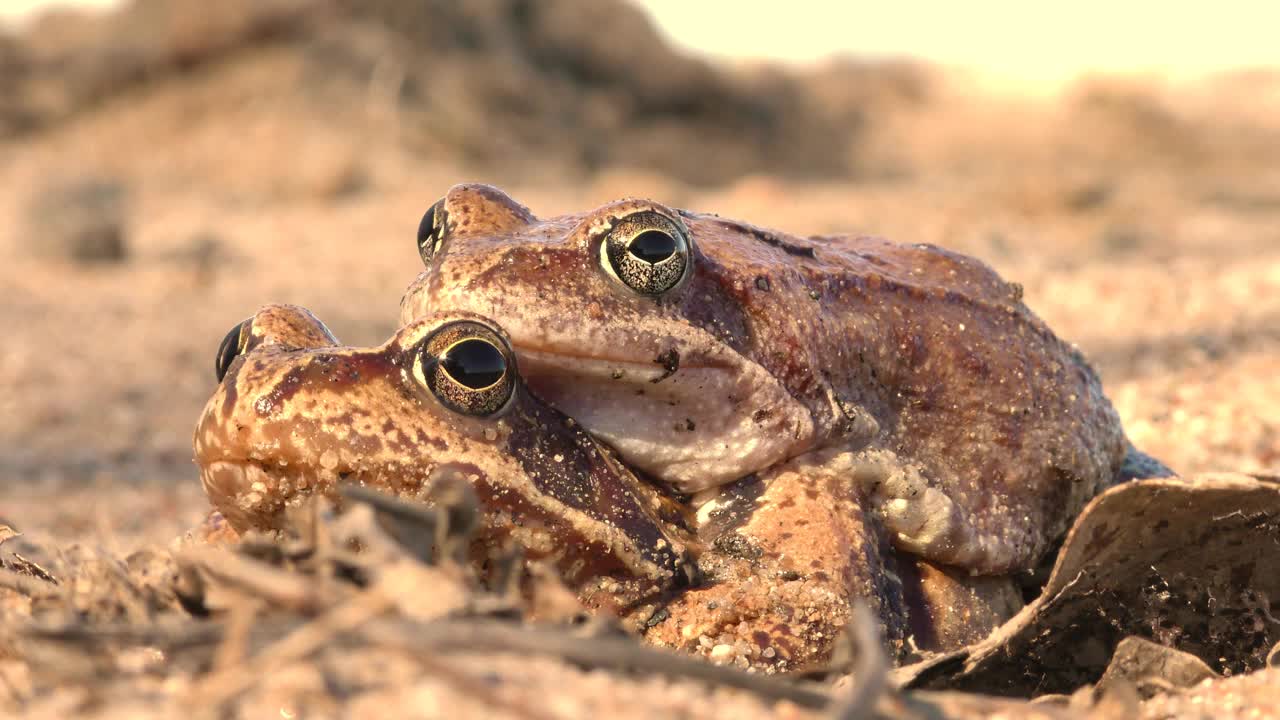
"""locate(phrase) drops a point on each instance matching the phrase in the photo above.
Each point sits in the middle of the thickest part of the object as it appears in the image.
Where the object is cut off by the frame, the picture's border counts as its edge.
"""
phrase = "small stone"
(82, 221)
(329, 459)
(723, 654)
(657, 618)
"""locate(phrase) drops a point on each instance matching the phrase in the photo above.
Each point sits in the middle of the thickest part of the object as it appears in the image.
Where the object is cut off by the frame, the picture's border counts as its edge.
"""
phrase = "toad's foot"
(784, 563)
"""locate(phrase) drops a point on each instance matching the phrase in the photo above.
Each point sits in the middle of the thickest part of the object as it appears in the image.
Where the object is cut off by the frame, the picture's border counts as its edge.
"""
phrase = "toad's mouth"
(666, 364)
(256, 493)
(252, 494)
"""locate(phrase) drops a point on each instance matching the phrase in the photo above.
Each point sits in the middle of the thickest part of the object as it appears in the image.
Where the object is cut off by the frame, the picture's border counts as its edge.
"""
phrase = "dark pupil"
(474, 363)
(652, 246)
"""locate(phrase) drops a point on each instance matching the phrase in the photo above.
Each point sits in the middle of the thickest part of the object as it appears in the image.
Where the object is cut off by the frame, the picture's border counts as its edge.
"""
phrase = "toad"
(709, 351)
(296, 414)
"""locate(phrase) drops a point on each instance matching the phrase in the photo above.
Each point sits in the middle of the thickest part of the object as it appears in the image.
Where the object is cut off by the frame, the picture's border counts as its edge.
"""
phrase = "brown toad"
(707, 350)
(296, 414)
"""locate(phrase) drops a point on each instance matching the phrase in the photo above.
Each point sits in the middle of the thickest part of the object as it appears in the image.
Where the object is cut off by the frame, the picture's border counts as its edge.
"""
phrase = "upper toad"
(707, 350)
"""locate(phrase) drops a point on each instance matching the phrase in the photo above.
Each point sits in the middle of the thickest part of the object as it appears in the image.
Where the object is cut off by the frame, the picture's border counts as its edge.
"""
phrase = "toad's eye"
(468, 367)
(232, 347)
(431, 232)
(646, 251)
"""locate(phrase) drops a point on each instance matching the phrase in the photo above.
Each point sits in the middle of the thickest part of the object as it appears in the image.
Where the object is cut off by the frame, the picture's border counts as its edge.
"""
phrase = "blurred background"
(168, 166)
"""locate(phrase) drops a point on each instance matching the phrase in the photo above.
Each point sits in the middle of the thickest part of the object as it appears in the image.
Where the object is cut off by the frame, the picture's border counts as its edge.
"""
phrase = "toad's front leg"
(788, 553)
(785, 557)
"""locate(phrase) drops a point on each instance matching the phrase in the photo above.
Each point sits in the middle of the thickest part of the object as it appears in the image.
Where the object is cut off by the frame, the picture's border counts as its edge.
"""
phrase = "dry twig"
(221, 686)
(277, 587)
(612, 653)
(28, 585)
(870, 672)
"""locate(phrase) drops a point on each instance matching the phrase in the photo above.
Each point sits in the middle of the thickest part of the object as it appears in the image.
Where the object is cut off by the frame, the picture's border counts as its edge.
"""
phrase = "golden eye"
(468, 367)
(232, 347)
(646, 251)
(431, 232)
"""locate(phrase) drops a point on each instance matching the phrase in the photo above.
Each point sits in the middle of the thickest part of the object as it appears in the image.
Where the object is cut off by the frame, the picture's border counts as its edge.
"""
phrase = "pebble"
(82, 220)
(723, 653)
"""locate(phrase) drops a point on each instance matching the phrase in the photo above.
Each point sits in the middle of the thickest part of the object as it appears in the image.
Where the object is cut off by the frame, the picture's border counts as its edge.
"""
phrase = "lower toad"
(768, 575)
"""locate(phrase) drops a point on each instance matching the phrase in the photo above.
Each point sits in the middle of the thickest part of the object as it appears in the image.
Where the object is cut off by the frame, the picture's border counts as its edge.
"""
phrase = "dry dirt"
(1142, 219)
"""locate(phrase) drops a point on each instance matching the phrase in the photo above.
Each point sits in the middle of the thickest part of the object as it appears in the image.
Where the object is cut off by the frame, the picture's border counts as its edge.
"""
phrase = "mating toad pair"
(722, 433)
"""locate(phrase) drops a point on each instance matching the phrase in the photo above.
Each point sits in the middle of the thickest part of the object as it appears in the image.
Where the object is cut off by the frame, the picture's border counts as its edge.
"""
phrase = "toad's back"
(958, 375)
(707, 350)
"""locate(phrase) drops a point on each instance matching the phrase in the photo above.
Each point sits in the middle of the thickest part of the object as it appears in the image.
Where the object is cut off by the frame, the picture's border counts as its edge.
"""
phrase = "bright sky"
(1031, 45)
(17, 9)
(1027, 43)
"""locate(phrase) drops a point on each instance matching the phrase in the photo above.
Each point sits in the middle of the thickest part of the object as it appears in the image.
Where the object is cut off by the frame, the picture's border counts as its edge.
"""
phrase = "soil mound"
(575, 85)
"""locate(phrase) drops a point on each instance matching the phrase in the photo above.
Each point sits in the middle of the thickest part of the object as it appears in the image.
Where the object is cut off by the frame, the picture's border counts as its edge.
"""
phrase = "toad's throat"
(702, 424)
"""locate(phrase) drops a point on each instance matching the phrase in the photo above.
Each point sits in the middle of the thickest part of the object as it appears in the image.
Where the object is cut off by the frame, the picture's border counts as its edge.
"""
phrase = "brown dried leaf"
(1189, 563)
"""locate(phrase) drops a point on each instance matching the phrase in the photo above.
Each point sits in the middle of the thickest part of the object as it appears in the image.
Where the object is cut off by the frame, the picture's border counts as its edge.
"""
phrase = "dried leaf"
(1189, 563)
